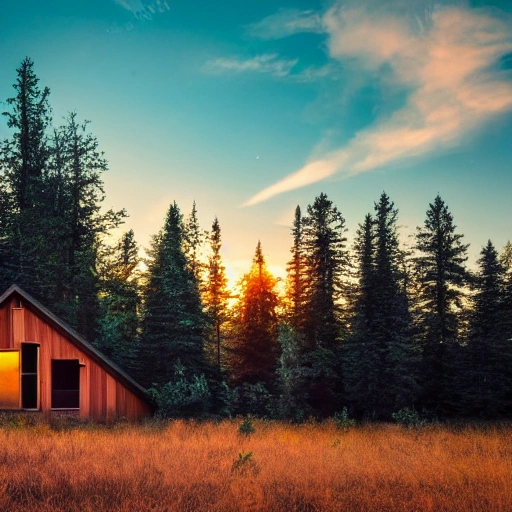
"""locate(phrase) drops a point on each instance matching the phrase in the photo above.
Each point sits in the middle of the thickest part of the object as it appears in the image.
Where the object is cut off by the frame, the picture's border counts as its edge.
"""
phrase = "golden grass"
(184, 466)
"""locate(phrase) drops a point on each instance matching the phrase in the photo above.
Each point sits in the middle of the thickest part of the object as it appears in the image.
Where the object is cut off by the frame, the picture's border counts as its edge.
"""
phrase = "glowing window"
(9, 379)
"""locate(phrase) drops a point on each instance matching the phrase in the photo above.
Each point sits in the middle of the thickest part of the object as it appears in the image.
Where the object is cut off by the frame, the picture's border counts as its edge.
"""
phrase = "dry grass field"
(184, 466)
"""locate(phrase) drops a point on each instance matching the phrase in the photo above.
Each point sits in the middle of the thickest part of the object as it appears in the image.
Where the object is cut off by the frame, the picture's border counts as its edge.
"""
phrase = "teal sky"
(250, 108)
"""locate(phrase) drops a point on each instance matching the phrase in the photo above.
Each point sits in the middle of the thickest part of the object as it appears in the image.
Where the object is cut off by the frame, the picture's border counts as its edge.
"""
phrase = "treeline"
(372, 326)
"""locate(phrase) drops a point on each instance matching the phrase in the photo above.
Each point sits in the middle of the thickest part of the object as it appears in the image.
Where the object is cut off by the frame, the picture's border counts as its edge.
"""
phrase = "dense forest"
(371, 329)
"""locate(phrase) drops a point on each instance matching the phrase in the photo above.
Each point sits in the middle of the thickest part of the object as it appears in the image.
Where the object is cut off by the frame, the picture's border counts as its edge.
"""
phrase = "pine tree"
(360, 354)
(173, 321)
(79, 190)
(487, 383)
(381, 358)
(391, 322)
(442, 276)
(216, 293)
(327, 265)
(193, 241)
(23, 160)
(120, 301)
(327, 261)
(254, 354)
(296, 281)
(26, 154)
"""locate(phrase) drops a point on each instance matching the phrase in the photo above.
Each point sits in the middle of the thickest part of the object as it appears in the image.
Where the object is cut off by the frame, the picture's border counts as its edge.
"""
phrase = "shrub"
(342, 420)
(183, 397)
(409, 417)
(246, 427)
(245, 464)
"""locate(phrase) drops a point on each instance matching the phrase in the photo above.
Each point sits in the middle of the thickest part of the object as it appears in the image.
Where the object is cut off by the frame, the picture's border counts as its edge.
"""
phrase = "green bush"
(246, 427)
(409, 417)
(342, 420)
(185, 396)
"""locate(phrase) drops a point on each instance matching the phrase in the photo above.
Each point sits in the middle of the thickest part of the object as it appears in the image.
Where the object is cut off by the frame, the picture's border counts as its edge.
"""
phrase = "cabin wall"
(102, 396)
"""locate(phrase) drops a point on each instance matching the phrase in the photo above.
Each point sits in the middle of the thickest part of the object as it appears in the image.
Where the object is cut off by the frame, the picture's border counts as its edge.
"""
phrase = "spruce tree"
(296, 281)
(254, 353)
(79, 193)
(325, 321)
(193, 241)
(487, 385)
(173, 321)
(442, 276)
(327, 263)
(381, 357)
(397, 355)
(216, 293)
(360, 354)
(119, 301)
(23, 161)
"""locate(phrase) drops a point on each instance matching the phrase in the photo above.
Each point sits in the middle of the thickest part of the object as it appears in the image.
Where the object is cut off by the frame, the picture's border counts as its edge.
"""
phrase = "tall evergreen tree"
(173, 321)
(80, 192)
(506, 307)
(391, 323)
(254, 354)
(360, 355)
(487, 383)
(442, 276)
(381, 357)
(327, 261)
(23, 160)
(296, 281)
(324, 324)
(25, 155)
(193, 241)
(119, 301)
(216, 293)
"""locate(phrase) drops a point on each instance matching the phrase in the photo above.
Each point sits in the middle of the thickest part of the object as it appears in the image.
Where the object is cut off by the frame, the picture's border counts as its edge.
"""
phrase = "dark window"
(65, 384)
(29, 377)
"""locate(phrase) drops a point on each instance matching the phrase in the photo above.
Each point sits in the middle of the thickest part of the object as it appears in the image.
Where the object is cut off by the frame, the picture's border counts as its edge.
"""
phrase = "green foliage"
(119, 301)
(245, 464)
(343, 421)
(215, 296)
(246, 427)
(173, 319)
(253, 399)
(441, 276)
(326, 256)
(184, 396)
(409, 417)
(380, 358)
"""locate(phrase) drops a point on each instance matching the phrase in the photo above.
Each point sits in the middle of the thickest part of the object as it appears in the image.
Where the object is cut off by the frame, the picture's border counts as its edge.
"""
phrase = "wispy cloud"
(144, 9)
(286, 22)
(450, 70)
(270, 63)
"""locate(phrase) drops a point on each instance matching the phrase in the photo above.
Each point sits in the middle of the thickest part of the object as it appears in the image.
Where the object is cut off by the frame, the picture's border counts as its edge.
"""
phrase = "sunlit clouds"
(450, 70)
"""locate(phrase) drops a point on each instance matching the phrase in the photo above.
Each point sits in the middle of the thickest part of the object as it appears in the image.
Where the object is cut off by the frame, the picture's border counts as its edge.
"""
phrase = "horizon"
(251, 110)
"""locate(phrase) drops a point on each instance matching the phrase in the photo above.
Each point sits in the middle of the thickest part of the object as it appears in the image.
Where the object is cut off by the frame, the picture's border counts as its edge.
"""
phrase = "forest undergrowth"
(190, 466)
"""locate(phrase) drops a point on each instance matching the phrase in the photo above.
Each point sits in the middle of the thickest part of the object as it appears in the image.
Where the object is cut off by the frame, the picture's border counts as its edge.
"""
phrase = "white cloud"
(286, 22)
(144, 9)
(449, 70)
(269, 63)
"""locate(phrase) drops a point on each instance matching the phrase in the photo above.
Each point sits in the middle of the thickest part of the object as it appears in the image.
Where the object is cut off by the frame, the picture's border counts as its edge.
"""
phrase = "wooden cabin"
(46, 366)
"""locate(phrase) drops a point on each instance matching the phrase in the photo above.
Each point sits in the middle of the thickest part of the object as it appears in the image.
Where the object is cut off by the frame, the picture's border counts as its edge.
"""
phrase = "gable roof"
(79, 342)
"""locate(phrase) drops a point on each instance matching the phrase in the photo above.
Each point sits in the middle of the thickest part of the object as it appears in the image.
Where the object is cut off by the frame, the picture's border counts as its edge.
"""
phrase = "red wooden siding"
(103, 395)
